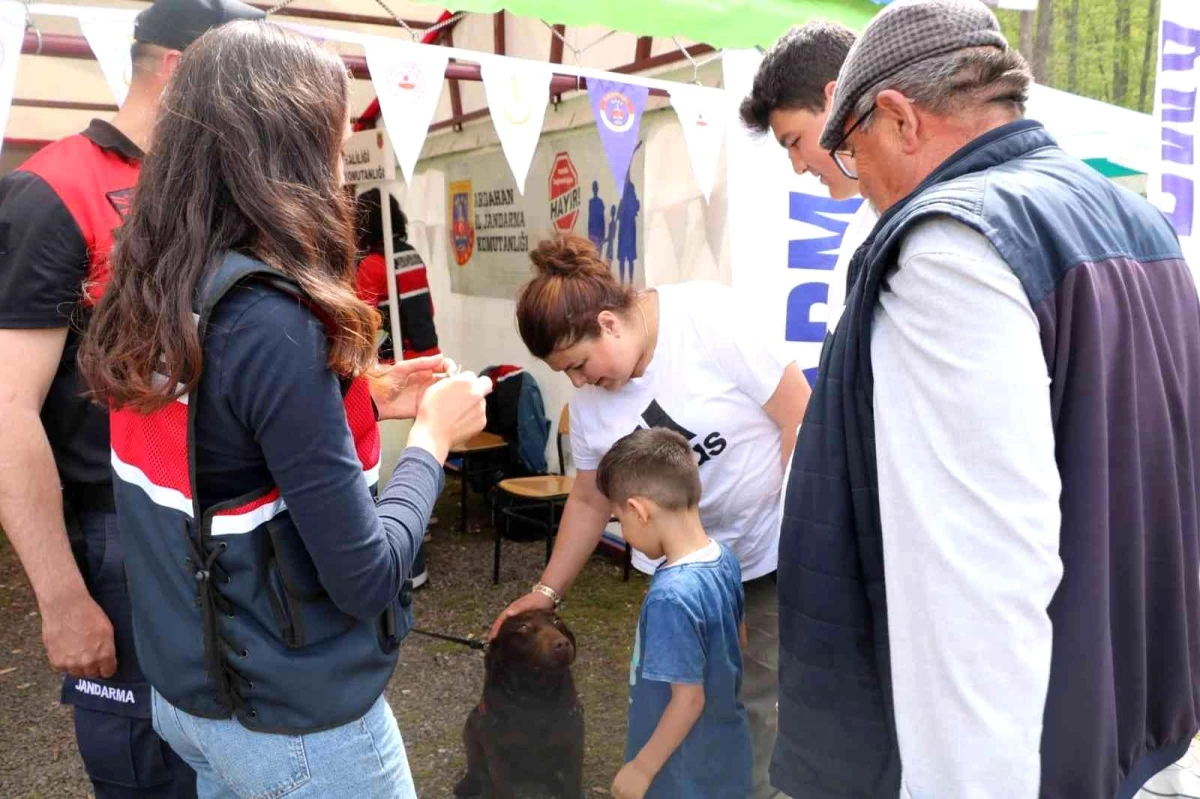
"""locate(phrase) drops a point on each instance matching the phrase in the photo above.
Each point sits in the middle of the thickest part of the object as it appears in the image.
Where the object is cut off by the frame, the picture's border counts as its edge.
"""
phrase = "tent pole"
(389, 260)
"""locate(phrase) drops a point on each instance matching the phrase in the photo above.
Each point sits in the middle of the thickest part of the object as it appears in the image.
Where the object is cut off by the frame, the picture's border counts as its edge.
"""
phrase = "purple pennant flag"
(618, 110)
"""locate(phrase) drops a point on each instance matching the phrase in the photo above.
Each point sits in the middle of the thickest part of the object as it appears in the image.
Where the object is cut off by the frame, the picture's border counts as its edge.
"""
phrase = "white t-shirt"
(859, 227)
(713, 369)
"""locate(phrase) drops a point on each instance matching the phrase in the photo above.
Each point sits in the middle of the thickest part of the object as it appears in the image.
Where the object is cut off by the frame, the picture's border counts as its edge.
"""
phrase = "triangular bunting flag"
(702, 114)
(111, 37)
(618, 110)
(517, 94)
(408, 81)
(12, 33)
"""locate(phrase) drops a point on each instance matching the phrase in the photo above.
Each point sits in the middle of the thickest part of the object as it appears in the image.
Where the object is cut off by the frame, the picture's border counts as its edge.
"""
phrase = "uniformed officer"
(57, 216)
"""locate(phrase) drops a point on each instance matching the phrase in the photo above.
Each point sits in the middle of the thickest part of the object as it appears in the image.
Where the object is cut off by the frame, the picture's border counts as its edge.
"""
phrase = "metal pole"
(66, 45)
(389, 257)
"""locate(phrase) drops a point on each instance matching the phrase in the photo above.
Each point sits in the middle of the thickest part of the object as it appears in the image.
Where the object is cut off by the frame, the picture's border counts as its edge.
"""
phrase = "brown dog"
(527, 732)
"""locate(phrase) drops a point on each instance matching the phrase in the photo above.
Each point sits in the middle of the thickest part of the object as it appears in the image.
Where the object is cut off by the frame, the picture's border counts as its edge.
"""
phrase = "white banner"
(492, 227)
(111, 37)
(408, 81)
(786, 229)
(517, 94)
(12, 34)
(702, 113)
(1172, 186)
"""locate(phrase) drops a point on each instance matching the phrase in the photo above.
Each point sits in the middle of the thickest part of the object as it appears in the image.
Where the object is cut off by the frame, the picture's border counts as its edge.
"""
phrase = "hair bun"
(567, 255)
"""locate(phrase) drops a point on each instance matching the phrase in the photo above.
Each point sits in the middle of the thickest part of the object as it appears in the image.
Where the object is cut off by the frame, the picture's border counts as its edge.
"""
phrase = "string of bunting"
(408, 78)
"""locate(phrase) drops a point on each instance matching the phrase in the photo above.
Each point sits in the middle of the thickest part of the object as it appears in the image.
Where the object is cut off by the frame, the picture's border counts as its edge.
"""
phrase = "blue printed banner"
(1172, 187)
(618, 110)
(786, 233)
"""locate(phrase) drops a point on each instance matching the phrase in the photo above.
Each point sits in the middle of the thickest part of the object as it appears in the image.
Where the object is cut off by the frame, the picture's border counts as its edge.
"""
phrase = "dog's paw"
(468, 786)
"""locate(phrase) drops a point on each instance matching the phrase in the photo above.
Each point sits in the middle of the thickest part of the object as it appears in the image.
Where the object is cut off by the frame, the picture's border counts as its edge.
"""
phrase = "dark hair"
(143, 53)
(370, 222)
(245, 157)
(572, 286)
(795, 71)
(657, 464)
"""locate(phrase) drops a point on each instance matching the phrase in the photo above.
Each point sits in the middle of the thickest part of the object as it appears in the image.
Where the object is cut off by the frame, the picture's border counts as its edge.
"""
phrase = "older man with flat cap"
(58, 213)
(989, 567)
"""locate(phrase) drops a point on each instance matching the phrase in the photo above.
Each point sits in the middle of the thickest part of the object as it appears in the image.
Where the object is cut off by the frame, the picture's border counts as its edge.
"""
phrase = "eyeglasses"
(838, 153)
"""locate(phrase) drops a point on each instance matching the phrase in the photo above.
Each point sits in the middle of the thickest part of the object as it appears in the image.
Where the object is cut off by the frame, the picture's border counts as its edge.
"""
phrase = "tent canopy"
(720, 23)
(56, 96)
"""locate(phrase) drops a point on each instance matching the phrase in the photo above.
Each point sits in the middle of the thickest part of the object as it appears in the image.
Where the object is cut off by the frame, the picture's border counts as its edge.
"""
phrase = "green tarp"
(720, 23)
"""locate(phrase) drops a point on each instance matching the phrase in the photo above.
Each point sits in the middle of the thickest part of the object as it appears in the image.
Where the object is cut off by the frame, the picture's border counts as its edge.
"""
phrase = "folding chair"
(536, 500)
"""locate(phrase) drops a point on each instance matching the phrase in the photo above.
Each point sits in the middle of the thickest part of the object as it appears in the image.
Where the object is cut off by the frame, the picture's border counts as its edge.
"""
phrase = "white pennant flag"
(702, 114)
(110, 38)
(12, 34)
(517, 94)
(408, 81)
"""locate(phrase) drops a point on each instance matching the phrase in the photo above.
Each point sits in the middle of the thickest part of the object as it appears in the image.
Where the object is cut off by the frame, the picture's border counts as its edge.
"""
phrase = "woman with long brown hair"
(269, 591)
(689, 357)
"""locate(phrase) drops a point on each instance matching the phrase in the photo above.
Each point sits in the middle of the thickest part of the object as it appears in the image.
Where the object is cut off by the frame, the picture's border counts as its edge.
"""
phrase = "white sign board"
(492, 226)
(368, 157)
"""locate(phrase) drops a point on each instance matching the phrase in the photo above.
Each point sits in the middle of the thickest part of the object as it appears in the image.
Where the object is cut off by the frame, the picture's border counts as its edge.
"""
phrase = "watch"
(549, 593)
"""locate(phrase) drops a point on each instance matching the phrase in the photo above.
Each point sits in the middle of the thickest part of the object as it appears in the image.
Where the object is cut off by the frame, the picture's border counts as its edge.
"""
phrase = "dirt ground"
(434, 687)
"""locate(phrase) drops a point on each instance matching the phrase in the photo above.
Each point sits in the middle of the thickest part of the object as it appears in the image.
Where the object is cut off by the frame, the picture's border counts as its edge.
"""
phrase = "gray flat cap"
(904, 33)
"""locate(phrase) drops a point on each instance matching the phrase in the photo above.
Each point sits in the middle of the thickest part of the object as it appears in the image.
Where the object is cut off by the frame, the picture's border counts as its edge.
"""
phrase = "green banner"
(720, 23)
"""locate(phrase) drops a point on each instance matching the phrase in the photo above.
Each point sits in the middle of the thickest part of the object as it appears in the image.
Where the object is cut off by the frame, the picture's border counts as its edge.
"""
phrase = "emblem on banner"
(462, 221)
(408, 76)
(379, 140)
(565, 199)
(616, 110)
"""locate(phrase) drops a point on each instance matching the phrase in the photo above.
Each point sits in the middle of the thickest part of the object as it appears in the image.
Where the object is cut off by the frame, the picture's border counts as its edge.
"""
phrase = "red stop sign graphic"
(565, 195)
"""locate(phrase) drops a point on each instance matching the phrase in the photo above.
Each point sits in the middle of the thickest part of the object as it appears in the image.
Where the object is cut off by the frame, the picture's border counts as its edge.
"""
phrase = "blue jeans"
(364, 759)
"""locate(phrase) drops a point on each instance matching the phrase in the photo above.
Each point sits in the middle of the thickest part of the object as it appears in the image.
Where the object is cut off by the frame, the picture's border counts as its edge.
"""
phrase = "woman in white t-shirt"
(686, 356)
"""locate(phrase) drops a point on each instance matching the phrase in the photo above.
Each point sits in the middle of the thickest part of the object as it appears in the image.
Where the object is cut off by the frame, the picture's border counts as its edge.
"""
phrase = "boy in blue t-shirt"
(688, 735)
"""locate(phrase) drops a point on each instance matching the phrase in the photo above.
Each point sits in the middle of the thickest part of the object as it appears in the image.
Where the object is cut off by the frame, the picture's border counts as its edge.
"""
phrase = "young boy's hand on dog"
(631, 782)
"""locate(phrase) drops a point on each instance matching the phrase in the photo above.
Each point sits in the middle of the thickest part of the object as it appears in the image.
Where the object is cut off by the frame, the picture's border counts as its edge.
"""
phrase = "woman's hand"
(531, 601)
(398, 391)
(451, 411)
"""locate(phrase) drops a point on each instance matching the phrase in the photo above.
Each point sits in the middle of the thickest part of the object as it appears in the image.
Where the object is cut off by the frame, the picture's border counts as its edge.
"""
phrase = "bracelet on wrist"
(549, 593)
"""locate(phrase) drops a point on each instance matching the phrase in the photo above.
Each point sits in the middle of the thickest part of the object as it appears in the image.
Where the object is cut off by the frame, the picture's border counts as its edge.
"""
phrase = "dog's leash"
(454, 639)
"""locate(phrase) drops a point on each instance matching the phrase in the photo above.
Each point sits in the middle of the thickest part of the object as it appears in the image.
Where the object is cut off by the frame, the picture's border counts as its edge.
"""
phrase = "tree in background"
(1104, 49)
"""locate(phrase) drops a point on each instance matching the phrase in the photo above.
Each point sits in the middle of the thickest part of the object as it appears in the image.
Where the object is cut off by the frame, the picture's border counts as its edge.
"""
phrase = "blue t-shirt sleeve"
(674, 647)
(274, 375)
